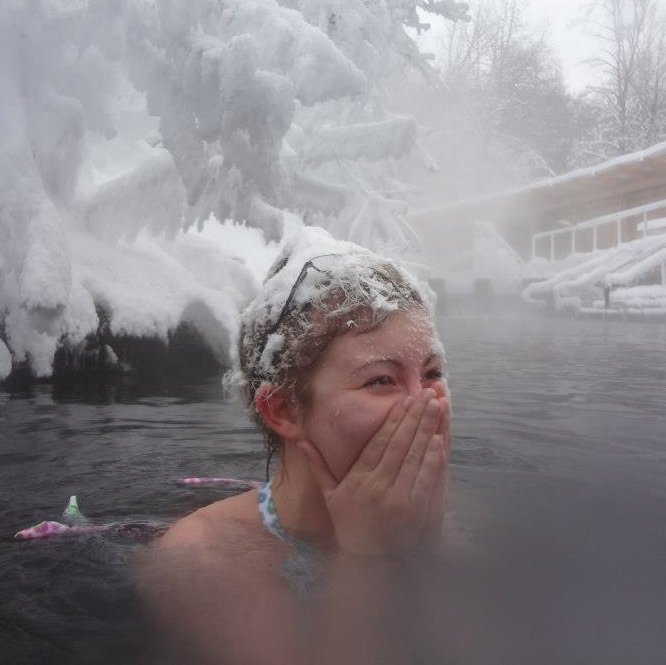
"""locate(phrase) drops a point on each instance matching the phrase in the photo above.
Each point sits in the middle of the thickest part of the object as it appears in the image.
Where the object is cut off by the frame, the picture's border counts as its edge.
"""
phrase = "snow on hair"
(357, 291)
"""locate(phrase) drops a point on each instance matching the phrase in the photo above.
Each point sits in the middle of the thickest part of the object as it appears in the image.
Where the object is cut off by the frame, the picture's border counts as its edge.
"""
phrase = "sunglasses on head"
(324, 263)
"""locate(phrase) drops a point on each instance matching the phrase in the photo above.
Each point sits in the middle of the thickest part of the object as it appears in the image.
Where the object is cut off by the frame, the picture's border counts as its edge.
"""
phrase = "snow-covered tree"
(134, 115)
(504, 112)
(630, 103)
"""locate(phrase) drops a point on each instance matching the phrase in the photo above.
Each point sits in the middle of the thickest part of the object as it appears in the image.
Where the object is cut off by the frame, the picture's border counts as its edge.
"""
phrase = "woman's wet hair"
(352, 294)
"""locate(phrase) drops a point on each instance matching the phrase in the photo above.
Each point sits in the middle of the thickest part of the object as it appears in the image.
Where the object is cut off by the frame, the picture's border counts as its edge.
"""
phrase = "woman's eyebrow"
(392, 361)
(435, 355)
(377, 361)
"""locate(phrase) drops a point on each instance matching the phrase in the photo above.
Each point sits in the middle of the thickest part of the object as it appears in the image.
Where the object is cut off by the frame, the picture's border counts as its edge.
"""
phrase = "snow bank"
(652, 298)
(150, 286)
(5, 361)
(581, 287)
(640, 266)
(147, 287)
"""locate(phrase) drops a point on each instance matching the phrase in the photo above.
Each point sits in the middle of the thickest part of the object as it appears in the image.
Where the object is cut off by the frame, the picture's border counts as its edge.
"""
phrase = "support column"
(533, 245)
(573, 240)
(594, 238)
(663, 273)
(552, 246)
(619, 231)
(645, 221)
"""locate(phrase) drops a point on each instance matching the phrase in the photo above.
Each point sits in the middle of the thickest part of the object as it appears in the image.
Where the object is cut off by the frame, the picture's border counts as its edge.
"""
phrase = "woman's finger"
(411, 464)
(403, 437)
(447, 440)
(428, 475)
(437, 502)
(373, 450)
(446, 409)
(445, 428)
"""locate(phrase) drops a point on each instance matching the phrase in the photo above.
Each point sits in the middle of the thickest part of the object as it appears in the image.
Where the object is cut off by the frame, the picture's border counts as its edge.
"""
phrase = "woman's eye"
(377, 381)
(434, 374)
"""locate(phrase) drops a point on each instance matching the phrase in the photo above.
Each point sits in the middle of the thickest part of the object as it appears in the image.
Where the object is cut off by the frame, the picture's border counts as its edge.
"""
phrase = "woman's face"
(359, 378)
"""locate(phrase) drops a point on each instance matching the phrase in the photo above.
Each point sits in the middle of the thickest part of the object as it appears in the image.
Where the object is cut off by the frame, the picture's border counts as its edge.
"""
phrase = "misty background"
(155, 157)
(141, 137)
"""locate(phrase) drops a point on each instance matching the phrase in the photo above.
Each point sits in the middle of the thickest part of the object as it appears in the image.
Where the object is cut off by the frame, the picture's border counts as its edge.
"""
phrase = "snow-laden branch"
(136, 117)
(367, 141)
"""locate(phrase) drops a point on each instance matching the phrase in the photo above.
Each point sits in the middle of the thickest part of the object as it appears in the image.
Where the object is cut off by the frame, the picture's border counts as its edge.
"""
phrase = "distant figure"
(606, 296)
(342, 368)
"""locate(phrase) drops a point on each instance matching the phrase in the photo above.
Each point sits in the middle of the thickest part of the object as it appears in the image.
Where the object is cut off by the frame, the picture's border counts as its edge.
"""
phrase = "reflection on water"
(557, 506)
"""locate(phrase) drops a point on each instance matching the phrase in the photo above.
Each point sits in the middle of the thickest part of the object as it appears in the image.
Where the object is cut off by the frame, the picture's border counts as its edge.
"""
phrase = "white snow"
(369, 141)
(5, 361)
(148, 286)
(652, 225)
(656, 151)
(581, 286)
(126, 125)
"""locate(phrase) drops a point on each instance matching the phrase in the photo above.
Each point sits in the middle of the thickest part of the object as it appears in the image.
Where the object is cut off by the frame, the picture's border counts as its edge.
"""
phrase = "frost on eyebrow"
(378, 360)
(371, 362)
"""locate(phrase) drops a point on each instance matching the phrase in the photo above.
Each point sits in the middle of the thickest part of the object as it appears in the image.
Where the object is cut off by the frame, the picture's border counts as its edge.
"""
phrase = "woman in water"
(341, 367)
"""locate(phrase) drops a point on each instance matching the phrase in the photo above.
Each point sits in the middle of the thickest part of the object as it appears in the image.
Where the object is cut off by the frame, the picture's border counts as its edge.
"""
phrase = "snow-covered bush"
(125, 125)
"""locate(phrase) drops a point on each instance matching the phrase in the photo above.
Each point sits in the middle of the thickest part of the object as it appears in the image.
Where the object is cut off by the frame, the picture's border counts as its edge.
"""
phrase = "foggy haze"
(120, 144)
(156, 156)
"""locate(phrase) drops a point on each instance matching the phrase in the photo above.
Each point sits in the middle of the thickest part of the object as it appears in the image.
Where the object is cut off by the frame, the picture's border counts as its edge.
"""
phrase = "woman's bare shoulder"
(204, 577)
(214, 524)
(226, 534)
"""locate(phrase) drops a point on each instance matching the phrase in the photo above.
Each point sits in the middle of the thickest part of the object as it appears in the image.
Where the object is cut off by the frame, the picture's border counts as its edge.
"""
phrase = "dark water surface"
(557, 509)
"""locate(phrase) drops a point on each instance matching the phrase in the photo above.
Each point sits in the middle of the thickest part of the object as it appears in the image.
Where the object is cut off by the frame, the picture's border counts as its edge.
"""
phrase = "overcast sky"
(569, 38)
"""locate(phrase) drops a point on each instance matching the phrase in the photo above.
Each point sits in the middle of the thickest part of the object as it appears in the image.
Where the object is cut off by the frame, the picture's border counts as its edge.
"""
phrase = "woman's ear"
(278, 411)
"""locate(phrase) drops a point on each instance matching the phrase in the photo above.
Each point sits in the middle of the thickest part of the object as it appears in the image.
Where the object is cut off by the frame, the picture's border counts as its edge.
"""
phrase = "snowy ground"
(628, 279)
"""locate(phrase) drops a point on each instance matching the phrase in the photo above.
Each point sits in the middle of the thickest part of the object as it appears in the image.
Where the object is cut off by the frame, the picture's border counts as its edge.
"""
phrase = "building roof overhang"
(609, 181)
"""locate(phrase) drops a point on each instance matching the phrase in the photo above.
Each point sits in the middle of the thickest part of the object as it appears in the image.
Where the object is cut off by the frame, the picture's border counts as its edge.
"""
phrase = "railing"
(595, 224)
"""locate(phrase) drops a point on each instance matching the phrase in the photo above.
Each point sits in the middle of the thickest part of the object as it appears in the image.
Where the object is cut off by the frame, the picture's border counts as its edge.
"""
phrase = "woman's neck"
(298, 500)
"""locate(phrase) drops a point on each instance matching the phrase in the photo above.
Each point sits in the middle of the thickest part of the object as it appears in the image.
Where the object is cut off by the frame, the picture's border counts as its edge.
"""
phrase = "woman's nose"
(414, 386)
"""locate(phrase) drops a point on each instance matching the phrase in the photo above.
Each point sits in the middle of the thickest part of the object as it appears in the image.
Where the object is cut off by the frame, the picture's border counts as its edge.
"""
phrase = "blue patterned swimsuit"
(300, 569)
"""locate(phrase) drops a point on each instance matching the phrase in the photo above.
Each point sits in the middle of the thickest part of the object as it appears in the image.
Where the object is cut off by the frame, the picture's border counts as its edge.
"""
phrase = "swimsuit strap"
(301, 568)
(269, 516)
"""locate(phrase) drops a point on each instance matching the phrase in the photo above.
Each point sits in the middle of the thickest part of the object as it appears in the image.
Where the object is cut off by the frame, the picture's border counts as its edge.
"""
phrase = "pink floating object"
(49, 528)
(199, 481)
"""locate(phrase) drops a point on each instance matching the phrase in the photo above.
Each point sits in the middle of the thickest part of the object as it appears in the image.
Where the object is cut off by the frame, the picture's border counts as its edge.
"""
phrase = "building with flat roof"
(582, 211)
